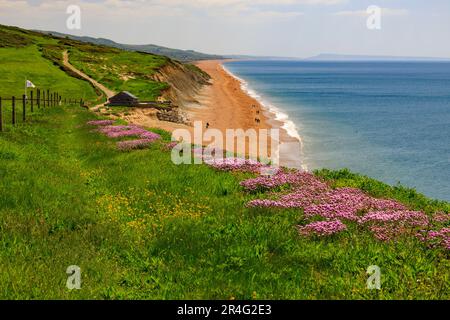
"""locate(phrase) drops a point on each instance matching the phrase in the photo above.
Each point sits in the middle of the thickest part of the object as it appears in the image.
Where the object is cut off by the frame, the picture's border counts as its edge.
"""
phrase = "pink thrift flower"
(322, 228)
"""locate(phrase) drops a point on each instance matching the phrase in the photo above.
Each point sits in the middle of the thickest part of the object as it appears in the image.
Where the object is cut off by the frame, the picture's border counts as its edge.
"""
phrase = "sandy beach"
(224, 105)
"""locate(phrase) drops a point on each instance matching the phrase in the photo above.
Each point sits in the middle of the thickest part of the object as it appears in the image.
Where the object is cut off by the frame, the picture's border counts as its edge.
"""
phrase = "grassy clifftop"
(176, 54)
(141, 227)
(115, 68)
(21, 58)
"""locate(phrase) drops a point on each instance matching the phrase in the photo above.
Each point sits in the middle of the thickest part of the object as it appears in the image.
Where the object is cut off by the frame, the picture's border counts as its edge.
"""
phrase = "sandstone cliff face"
(185, 82)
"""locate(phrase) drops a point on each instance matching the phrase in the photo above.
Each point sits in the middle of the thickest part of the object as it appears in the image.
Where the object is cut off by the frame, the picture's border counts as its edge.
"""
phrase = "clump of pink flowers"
(99, 123)
(322, 228)
(133, 144)
(441, 217)
(347, 203)
(386, 219)
(128, 131)
(274, 181)
(235, 164)
(171, 145)
(387, 225)
(111, 131)
(436, 238)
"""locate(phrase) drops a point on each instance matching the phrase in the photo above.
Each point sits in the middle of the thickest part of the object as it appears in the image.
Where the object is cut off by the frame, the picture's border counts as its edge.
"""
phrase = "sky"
(288, 28)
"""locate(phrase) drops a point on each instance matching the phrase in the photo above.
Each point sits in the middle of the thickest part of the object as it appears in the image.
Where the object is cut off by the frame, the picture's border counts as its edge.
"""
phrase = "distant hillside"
(176, 54)
(40, 59)
(247, 57)
(340, 57)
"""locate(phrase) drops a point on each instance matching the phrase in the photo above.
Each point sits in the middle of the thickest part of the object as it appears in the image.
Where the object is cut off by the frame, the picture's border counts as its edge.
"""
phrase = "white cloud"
(223, 3)
(111, 9)
(363, 13)
(130, 9)
(144, 4)
(8, 4)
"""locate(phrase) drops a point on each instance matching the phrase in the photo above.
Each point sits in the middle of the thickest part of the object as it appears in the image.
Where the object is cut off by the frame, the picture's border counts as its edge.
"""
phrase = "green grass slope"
(18, 64)
(29, 54)
(21, 58)
(141, 227)
(119, 70)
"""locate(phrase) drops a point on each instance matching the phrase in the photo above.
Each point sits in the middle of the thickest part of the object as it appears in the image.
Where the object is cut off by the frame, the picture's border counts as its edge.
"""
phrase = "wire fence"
(16, 110)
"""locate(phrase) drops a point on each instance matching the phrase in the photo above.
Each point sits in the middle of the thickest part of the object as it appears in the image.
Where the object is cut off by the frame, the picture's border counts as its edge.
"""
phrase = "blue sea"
(387, 120)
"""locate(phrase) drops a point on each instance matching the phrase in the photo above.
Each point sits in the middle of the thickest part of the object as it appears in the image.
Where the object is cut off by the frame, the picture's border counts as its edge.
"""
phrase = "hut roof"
(126, 93)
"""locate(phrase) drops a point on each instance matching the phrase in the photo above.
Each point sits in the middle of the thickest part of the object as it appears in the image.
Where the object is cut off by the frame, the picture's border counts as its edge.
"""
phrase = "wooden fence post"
(48, 98)
(1, 116)
(24, 105)
(31, 101)
(13, 110)
(43, 99)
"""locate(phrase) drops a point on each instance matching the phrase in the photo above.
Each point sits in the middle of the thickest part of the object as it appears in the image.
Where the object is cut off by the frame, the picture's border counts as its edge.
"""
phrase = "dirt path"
(107, 92)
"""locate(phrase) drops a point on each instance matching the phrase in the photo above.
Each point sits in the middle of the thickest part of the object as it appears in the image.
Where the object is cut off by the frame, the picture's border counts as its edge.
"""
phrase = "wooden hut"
(123, 99)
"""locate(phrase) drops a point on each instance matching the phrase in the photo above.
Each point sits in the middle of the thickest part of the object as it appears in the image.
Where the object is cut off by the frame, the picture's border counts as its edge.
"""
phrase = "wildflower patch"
(107, 128)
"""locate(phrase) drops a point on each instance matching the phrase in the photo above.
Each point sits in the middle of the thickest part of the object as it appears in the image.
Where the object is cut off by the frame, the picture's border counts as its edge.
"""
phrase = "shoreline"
(228, 103)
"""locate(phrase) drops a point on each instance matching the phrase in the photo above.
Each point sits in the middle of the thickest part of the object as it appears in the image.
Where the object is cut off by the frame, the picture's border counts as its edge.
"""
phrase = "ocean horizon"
(386, 120)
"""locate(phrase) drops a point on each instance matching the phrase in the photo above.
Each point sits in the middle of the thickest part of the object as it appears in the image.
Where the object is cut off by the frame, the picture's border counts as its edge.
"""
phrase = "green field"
(31, 55)
(141, 227)
(119, 70)
(18, 64)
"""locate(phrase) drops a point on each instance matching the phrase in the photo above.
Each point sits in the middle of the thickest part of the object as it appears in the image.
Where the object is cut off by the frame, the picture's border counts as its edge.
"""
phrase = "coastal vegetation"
(119, 70)
(115, 68)
(176, 54)
(16, 64)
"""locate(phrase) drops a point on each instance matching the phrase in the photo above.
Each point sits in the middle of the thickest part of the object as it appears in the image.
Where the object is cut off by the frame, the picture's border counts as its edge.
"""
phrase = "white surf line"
(279, 115)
